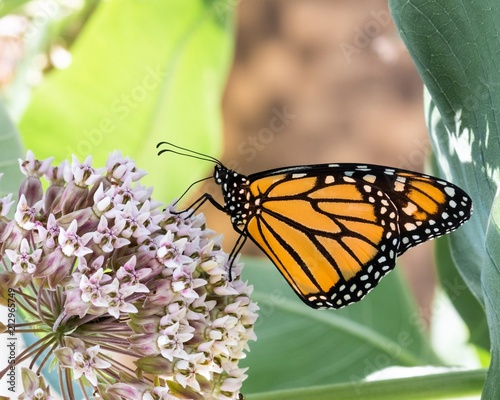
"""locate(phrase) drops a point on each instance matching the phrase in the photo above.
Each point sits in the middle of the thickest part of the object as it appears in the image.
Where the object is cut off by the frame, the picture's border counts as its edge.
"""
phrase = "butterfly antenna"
(189, 188)
(182, 151)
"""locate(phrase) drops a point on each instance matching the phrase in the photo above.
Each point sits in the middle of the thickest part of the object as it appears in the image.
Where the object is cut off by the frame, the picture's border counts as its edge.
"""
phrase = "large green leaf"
(300, 347)
(10, 150)
(142, 72)
(456, 48)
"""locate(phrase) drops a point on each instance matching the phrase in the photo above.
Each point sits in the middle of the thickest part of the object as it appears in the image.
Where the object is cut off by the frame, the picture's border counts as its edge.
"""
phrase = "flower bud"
(12, 235)
(74, 197)
(51, 262)
(52, 197)
(32, 189)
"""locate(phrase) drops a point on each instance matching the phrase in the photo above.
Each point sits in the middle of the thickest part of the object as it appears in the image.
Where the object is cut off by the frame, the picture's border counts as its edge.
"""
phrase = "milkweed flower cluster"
(132, 299)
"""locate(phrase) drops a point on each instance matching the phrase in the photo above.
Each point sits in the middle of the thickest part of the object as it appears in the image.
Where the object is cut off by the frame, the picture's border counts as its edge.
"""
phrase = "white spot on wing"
(410, 227)
(370, 178)
(450, 191)
(399, 186)
(410, 208)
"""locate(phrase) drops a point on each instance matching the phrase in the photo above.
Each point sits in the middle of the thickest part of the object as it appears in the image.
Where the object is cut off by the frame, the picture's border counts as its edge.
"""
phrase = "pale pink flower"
(128, 275)
(6, 203)
(81, 359)
(171, 341)
(49, 234)
(171, 251)
(82, 174)
(73, 244)
(108, 238)
(34, 386)
(32, 167)
(92, 288)
(25, 260)
(115, 297)
(25, 215)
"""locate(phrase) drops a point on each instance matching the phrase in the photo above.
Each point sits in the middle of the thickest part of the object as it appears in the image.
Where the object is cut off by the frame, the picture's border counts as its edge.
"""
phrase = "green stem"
(456, 385)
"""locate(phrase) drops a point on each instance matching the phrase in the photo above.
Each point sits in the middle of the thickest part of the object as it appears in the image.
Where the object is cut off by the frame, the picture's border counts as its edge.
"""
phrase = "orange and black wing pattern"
(335, 230)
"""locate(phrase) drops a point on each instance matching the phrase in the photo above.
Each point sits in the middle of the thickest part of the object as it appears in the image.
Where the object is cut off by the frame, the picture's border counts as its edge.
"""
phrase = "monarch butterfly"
(334, 230)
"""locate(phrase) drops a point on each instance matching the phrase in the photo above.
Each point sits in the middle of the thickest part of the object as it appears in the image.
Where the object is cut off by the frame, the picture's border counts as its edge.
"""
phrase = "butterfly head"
(235, 191)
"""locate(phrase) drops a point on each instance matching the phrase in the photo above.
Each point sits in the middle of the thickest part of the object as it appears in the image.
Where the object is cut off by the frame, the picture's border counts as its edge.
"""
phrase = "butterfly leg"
(198, 203)
(236, 249)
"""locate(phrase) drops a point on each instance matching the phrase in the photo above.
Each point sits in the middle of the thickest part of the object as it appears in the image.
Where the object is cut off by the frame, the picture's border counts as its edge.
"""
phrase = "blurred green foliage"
(141, 72)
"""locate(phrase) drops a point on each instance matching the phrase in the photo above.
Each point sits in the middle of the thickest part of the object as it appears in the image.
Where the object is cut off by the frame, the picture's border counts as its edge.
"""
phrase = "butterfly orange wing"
(335, 232)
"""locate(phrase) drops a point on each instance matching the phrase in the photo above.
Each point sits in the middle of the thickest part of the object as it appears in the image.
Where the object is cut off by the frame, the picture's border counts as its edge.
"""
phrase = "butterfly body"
(238, 203)
(334, 230)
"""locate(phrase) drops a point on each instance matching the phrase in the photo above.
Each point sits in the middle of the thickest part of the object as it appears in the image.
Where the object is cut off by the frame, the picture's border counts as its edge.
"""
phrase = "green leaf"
(142, 72)
(466, 304)
(10, 150)
(491, 284)
(298, 347)
(456, 385)
(7, 7)
(455, 48)
(459, 294)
